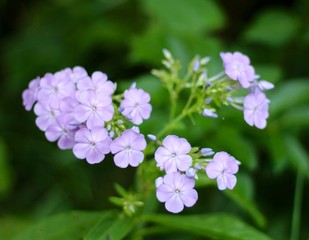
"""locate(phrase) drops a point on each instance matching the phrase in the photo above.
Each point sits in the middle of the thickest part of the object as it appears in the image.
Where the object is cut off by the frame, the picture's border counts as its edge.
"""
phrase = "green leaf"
(218, 226)
(11, 226)
(273, 27)
(5, 171)
(288, 95)
(66, 226)
(278, 151)
(185, 16)
(242, 195)
(112, 229)
(297, 155)
(270, 72)
(231, 139)
(296, 117)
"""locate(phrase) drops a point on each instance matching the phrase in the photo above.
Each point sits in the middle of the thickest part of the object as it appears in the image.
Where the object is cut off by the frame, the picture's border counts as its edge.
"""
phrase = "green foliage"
(65, 226)
(273, 27)
(217, 226)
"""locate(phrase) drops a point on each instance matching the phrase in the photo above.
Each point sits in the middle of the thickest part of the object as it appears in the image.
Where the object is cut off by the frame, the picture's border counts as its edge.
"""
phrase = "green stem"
(297, 206)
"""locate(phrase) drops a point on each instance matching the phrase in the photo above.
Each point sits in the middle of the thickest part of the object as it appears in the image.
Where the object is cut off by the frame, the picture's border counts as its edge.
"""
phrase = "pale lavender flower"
(76, 73)
(177, 191)
(55, 87)
(94, 109)
(173, 154)
(191, 172)
(207, 151)
(209, 113)
(152, 137)
(92, 145)
(128, 149)
(62, 131)
(46, 115)
(67, 106)
(237, 67)
(223, 167)
(30, 95)
(265, 85)
(98, 83)
(256, 109)
(135, 106)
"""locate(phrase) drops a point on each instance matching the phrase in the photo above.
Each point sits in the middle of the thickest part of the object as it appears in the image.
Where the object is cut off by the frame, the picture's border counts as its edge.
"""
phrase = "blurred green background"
(124, 39)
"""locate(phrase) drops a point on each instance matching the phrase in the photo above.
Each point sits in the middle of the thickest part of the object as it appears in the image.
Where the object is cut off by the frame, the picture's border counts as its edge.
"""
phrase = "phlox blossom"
(173, 154)
(177, 191)
(46, 115)
(128, 149)
(98, 83)
(256, 109)
(237, 67)
(223, 167)
(30, 95)
(94, 109)
(135, 106)
(55, 87)
(63, 131)
(92, 145)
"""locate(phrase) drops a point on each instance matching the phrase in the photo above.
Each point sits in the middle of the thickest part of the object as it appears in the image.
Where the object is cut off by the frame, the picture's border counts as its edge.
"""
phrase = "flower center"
(94, 108)
(128, 147)
(177, 191)
(173, 155)
(92, 144)
(55, 89)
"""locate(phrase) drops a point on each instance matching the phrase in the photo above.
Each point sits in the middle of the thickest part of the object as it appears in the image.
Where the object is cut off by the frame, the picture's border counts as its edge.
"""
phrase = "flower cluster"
(181, 163)
(255, 104)
(79, 112)
(82, 113)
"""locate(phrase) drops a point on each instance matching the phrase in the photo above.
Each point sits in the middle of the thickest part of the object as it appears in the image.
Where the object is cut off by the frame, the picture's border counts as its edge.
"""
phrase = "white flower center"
(128, 147)
(177, 191)
(55, 89)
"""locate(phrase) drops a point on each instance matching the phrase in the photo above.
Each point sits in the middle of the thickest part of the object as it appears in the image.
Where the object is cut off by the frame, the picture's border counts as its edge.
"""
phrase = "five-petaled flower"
(135, 106)
(223, 167)
(94, 109)
(92, 144)
(128, 149)
(173, 154)
(237, 67)
(256, 109)
(177, 191)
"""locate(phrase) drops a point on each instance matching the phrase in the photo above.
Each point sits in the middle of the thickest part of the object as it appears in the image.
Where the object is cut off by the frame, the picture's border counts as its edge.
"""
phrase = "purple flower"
(55, 87)
(237, 67)
(173, 154)
(209, 113)
(127, 148)
(62, 130)
(176, 190)
(135, 105)
(98, 83)
(76, 73)
(30, 95)
(46, 115)
(256, 109)
(94, 109)
(92, 144)
(223, 167)
(265, 85)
